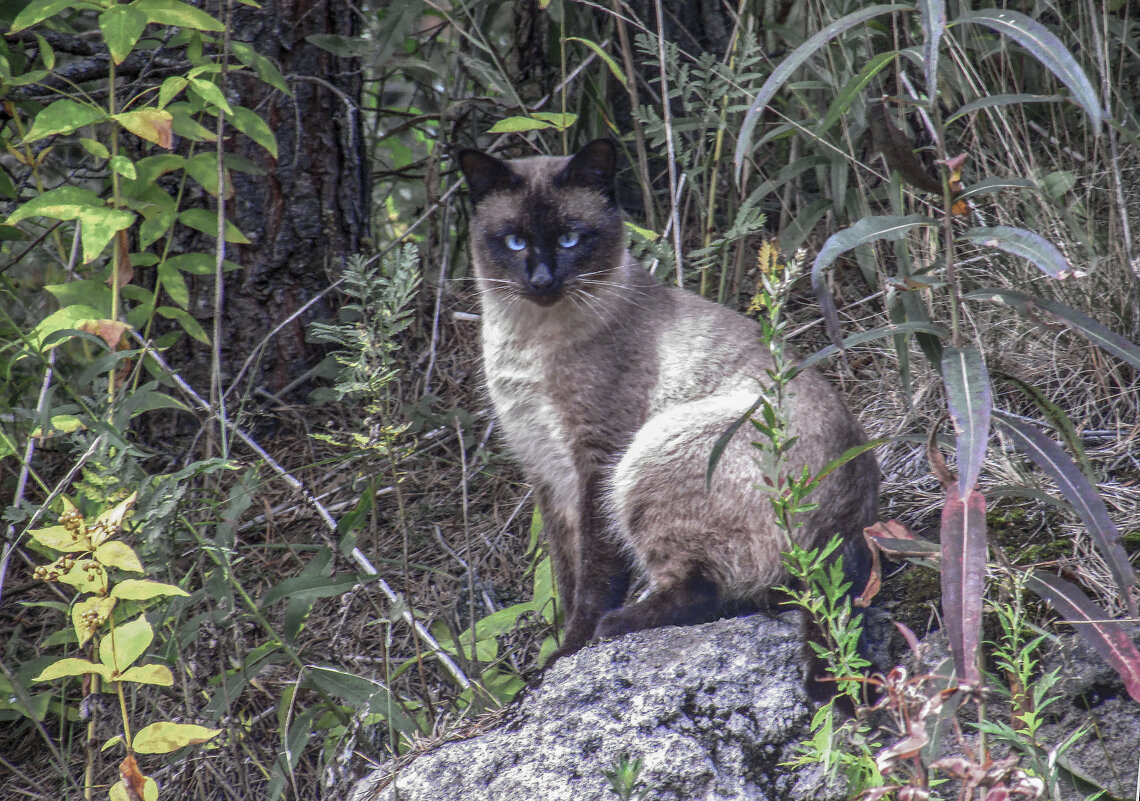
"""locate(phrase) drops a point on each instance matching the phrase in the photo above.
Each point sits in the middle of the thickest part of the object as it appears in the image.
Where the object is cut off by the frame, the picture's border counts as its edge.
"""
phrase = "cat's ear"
(591, 167)
(486, 174)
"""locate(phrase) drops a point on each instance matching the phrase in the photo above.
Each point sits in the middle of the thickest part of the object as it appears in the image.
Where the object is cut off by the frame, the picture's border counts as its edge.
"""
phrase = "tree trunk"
(308, 212)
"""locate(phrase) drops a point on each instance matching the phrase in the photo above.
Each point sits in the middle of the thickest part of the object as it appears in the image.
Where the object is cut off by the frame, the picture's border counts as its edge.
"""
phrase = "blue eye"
(515, 242)
(568, 239)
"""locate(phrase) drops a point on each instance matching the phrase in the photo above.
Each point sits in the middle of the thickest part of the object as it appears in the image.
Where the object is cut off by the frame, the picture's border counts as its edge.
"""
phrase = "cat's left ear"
(486, 174)
(591, 167)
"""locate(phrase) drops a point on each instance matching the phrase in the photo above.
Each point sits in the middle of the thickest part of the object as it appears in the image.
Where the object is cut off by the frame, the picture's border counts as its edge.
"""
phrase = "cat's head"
(545, 227)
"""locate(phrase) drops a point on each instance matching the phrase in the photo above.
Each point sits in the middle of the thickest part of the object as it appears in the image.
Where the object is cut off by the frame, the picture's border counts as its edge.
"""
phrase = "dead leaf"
(132, 778)
(110, 331)
(126, 269)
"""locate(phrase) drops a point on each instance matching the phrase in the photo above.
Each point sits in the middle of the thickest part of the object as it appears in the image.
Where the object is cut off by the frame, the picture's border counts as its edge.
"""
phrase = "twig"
(217, 396)
(358, 556)
(671, 151)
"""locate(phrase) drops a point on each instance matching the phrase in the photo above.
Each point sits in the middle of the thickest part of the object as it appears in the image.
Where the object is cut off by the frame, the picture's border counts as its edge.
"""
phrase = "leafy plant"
(91, 554)
(961, 364)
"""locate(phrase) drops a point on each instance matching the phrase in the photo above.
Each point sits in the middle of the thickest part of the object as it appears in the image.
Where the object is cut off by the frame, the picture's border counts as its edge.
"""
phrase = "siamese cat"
(612, 390)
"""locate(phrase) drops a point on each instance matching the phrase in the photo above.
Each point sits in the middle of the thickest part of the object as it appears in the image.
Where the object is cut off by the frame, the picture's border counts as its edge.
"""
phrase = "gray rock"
(712, 710)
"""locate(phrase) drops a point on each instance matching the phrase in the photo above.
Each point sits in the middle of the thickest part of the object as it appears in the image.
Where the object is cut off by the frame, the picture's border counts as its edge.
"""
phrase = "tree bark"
(308, 212)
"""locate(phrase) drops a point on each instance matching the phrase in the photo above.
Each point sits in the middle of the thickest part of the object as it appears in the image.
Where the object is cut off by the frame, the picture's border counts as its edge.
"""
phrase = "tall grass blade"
(896, 329)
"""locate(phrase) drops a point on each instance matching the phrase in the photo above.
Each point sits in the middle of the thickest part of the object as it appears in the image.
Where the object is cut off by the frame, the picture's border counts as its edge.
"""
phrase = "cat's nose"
(541, 277)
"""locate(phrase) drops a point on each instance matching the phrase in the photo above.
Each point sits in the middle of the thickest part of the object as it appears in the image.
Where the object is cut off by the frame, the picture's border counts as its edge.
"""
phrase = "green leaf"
(188, 323)
(118, 554)
(7, 187)
(124, 167)
(119, 649)
(199, 263)
(38, 11)
(145, 589)
(558, 120)
(970, 400)
(255, 128)
(122, 25)
(603, 55)
(170, 89)
(262, 67)
(203, 168)
(207, 222)
(363, 694)
(63, 320)
(853, 89)
(159, 212)
(59, 538)
(149, 674)
(70, 667)
(174, 284)
(1046, 48)
(1026, 244)
(47, 54)
(343, 46)
(519, 124)
(62, 117)
(790, 64)
(162, 738)
(95, 148)
(174, 12)
(868, 229)
(210, 93)
(70, 203)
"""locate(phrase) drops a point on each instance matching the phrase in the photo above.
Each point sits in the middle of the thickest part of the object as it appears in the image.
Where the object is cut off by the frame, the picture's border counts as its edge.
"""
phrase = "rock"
(713, 711)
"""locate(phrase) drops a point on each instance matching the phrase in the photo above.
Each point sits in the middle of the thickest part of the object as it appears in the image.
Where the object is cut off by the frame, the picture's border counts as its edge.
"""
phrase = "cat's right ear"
(486, 174)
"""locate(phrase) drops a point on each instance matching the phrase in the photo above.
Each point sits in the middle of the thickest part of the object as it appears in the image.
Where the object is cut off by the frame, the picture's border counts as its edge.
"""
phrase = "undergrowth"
(338, 580)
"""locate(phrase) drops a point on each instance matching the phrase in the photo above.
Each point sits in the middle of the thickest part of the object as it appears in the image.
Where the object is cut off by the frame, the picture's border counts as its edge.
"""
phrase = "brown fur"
(613, 392)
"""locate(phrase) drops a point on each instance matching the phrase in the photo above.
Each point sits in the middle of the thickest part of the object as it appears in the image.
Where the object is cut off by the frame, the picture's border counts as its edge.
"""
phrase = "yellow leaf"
(152, 124)
(118, 554)
(110, 523)
(143, 589)
(87, 575)
(121, 646)
(89, 614)
(149, 674)
(162, 738)
(59, 538)
(70, 667)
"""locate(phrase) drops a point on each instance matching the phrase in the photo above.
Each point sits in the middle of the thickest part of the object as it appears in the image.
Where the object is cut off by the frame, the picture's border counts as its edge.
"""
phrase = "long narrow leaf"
(866, 230)
(1081, 323)
(970, 400)
(723, 440)
(991, 101)
(1080, 493)
(793, 62)
(933, 26)
(898, 329)
(1046, 48)
(1107, 637)
(1026, 244)
(963, 534)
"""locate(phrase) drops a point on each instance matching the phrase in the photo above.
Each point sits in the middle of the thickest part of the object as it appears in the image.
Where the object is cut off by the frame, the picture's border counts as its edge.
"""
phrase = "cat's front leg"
(602, 576)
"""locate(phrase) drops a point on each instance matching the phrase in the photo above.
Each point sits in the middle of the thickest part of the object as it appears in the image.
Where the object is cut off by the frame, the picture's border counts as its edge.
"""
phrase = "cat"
(612, 389)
